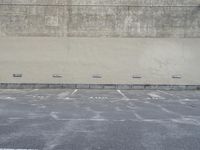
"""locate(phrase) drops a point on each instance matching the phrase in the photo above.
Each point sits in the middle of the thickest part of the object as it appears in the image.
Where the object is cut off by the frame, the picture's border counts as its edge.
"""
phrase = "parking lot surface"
(68, 119)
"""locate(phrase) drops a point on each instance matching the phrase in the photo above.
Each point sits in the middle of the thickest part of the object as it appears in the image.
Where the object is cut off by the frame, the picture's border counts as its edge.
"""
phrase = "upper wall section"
(100, 18)
(106, 2)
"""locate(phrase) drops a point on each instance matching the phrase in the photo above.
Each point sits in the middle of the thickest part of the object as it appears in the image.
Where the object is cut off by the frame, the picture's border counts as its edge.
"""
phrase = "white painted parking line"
(63, 95)
(7, 98)
(74, 92)
(34, 90)
(155, 96)
(123, 95)
(54, 115)
(99, 97)
(165, 93)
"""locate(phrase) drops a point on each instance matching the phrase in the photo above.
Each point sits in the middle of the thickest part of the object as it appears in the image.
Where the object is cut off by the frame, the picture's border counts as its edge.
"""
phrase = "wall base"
(98, 86)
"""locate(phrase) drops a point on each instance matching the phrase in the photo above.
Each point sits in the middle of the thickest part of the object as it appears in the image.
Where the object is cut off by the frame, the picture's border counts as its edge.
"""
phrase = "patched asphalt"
(68, 119)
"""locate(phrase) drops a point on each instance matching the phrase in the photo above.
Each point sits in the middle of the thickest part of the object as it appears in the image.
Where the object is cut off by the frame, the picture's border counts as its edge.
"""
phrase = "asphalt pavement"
(68, 119)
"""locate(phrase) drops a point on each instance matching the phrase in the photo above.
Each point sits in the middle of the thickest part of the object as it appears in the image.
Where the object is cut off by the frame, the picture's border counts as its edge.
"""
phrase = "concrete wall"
(95, 18)
(103, 61)
(100, 41)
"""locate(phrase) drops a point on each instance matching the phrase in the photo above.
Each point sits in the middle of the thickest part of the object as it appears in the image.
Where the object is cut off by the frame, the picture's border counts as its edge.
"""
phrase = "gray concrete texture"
(97, 18)
(100, 60)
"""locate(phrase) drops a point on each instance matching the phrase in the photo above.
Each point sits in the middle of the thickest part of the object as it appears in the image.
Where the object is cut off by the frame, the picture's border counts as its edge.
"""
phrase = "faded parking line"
(124, 97)
(74, 92)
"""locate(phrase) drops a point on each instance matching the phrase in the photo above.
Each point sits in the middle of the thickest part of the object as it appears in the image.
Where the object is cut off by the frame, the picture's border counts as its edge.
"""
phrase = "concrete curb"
(98, 86)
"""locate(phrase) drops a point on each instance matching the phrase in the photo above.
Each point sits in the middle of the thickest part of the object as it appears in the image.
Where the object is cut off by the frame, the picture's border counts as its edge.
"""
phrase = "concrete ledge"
(82, 86)
(109, 86)
(97, 86)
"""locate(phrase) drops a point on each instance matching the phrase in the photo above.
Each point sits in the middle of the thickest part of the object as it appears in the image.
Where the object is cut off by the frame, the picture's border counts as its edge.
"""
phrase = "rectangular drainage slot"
(97, 76)
(17, 75)
(176, 77)
(136, 77)
(57, 76)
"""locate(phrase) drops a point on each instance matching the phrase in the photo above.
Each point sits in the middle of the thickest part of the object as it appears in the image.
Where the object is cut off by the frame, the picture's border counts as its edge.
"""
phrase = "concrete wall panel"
(115, 60)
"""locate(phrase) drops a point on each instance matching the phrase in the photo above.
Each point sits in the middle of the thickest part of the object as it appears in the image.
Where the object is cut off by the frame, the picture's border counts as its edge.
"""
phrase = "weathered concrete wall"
(154, 41)
(97, 18)
(103, 61)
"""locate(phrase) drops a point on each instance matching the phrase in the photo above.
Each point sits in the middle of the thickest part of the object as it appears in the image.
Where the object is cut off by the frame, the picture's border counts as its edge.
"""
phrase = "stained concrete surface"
(99, 119)
(100, 18)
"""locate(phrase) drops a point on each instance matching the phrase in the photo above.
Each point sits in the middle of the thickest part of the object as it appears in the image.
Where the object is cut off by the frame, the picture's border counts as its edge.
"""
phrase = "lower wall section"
(99, 61)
